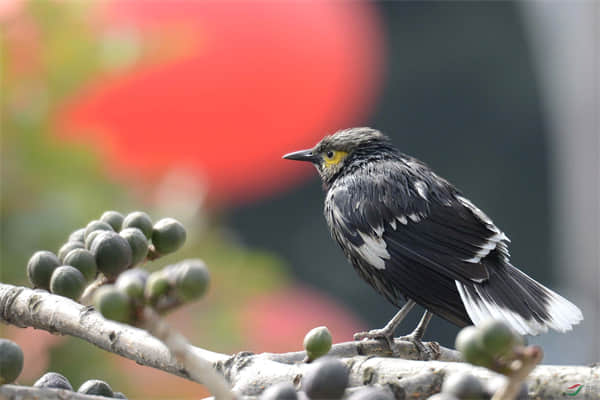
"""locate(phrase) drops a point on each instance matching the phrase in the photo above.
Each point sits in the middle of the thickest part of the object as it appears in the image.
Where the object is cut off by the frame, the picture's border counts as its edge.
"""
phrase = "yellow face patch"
(333, 157)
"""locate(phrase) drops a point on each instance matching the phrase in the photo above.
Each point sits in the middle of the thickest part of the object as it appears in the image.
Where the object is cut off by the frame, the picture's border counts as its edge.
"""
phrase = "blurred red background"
(237, 86)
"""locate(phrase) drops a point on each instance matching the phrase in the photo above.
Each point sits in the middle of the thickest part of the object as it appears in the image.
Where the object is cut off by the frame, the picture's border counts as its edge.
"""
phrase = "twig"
(527, 358)
(152, 253)
(88, 293)
(199, 369)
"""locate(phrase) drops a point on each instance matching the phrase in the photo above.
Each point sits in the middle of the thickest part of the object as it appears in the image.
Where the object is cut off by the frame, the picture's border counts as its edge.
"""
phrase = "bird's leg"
(415, 336)
(387, 332)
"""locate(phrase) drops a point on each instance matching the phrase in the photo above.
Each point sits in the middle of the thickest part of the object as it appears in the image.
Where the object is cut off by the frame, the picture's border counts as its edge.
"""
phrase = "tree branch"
(250, 373)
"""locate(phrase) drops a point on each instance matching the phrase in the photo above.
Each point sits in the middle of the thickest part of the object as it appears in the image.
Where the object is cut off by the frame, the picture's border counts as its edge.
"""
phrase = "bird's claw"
(425, 353)
(376, 334)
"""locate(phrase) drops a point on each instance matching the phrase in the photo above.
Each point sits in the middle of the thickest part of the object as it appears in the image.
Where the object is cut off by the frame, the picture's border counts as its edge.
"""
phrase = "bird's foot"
(377, 334)
(425, 353)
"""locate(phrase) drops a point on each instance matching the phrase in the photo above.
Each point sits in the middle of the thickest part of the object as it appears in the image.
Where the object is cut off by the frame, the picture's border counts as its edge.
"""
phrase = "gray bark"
(368, 361)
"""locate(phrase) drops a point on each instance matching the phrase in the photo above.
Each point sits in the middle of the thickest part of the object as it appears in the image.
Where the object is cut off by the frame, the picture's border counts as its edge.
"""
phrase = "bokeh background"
(184, 108)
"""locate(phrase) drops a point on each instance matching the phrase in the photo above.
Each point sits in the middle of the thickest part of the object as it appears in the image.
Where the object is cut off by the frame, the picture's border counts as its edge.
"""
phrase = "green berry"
(326, 378)
(469, 343)
(140, 220)
(191, 279)
(497, 338)
(464, 386)
(114, 219)
(138, 243)
(112, 253)
(77, 236)
(96, 387)
(132, 282)
(53, 380)
(113, 304)
(84, 261)
(11, 361)
(40, 268)
(67, 248)
(280, 391)
(317, 342)
(90, 239)
(67, 281)
(168, 235)
(96, 225)
(157, 285)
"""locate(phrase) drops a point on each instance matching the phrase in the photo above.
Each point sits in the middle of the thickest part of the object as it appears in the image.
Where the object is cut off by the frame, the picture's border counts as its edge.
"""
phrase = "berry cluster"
(493, 345)
(163, 290)
(104, 256)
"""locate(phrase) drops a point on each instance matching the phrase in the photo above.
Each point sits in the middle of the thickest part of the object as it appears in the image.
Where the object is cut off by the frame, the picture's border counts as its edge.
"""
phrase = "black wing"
(410, 232)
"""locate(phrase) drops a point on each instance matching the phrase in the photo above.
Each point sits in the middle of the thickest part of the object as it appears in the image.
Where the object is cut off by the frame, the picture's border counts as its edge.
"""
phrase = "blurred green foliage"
(48, 187)
(51, 187)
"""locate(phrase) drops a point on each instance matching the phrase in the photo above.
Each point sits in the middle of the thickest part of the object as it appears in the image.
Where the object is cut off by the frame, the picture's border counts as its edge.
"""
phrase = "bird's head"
(334, 152)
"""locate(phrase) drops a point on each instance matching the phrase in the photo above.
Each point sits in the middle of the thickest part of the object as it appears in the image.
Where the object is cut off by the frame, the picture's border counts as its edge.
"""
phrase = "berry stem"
(526, 359)
(88, 293)
(198, 368)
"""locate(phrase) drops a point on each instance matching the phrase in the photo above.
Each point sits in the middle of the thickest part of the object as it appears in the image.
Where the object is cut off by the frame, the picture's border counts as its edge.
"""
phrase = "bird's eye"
(333, 157)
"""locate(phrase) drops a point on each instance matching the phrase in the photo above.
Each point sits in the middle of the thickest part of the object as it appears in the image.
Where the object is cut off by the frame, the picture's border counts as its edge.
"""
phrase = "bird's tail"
(513, 297)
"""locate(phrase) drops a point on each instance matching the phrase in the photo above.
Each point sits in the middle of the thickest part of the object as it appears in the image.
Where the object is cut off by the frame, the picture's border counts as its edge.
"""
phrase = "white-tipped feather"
(421, 189)
(475, 210)
(493, 241)
(374, 250)
(562, 313)
(487, 247)
(378, 230)
(414, 217)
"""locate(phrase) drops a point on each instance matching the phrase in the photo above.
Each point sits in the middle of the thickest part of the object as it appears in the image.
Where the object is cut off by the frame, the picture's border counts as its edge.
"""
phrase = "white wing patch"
(493, 241)
(421, 189)
(378, 230)
(414, 217)
(373, 250)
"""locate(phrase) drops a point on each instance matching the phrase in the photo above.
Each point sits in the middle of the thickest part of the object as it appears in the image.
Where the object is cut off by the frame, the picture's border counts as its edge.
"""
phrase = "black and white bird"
(411, 234)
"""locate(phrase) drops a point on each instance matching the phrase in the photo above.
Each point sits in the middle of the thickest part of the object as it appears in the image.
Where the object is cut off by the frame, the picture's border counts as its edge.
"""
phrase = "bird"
(416, 239)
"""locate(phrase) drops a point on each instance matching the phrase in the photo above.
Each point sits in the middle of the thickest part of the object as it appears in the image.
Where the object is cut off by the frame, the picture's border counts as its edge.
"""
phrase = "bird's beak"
(302, 155)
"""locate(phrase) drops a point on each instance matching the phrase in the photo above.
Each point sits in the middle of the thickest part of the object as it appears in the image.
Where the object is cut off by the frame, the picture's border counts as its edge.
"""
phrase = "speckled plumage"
(411, 234)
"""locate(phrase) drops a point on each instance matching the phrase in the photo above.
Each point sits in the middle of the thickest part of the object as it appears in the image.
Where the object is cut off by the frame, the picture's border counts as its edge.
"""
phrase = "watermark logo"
(574, 390)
